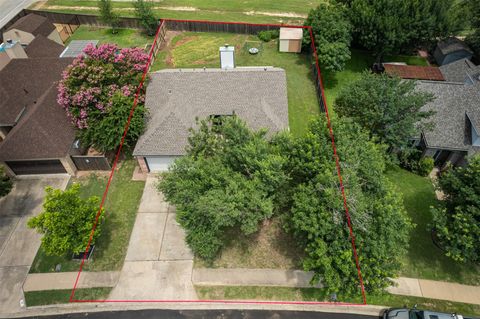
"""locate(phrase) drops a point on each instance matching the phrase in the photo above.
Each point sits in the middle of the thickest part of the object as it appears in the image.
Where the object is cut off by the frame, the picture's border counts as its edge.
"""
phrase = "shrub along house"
(176, 98)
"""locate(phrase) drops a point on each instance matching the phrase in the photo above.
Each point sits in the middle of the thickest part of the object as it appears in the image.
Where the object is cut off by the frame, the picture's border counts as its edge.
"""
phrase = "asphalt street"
(208, 314)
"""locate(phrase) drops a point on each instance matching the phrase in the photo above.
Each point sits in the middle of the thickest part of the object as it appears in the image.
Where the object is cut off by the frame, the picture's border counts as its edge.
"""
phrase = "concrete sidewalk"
(66, 280)
(436, 290)
(252, 277)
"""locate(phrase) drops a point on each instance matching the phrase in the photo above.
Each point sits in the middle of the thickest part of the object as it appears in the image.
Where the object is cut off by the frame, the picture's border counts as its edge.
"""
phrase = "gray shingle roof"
(452, 44)
(459, 71)
(176, 98)
(452, 102)
(75, 48)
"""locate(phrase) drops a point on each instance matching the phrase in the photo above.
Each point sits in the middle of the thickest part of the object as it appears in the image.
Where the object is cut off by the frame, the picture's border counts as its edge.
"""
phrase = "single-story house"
(175, 99)
(450, 50)
(30, 26)
(37, 135)
(456, 131)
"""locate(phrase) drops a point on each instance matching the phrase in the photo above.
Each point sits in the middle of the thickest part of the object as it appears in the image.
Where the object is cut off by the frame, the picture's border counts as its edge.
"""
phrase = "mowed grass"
(424, 259)
(314, 294)
(196, 50)
(124, 38)
(120, 208)
(271, 247)
(266, 11)
(50, 297)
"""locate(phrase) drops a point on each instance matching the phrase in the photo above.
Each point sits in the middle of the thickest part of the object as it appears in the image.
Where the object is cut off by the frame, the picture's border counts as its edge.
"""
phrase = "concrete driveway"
(159, 264)
(18, 243)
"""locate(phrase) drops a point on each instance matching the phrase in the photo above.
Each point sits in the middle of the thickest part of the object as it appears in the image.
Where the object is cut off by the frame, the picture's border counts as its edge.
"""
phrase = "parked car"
(405, 313)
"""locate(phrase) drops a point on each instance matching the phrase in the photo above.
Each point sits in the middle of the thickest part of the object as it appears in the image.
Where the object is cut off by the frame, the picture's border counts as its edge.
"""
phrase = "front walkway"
(158, 265)
(65, 280)
(18, 243)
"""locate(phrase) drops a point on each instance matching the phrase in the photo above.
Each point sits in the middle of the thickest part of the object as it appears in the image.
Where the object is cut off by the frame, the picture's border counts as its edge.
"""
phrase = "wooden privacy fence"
(213, 26)
(91, 163)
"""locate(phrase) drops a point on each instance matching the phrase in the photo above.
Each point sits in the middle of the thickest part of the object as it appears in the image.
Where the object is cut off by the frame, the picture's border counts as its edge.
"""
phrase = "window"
(437, 154)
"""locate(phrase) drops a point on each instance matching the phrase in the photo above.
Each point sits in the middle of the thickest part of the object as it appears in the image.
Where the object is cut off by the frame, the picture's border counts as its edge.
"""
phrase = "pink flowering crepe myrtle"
(90, 82)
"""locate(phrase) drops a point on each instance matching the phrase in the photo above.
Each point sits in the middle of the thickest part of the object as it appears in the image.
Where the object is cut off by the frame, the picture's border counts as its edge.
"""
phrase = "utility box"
(227, 57)
(290, 40)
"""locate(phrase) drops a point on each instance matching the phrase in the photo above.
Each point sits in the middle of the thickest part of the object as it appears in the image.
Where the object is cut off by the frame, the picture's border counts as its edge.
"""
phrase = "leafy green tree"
(144, 12)
(332, 32)
(228, 179)
(457, 219)
(470, 12)
(387, 107)
(380, 223)
(6, 183)
(106, 129)
(107, 15)
(393, 26)
(66, 221)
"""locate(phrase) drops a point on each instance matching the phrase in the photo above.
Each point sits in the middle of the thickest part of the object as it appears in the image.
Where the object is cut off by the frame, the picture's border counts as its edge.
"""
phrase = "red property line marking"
(337, 164)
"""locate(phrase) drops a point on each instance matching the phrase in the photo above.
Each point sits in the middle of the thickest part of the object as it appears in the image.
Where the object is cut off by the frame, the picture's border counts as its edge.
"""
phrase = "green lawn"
(125, 38)
(195, 50)
(424, 259)
(50, 297)
(121, 208)
(271, 247)
(313, 294)
(333, 82)
(265, 11)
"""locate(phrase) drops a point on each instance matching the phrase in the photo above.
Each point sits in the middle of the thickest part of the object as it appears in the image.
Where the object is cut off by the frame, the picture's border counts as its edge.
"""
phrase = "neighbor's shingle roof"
(175, 98)
(23, 81)
(34, 24)
(43, 130)
(451, 104)
(43, 47)
(414, 72)
(452, 44)
(460, 71)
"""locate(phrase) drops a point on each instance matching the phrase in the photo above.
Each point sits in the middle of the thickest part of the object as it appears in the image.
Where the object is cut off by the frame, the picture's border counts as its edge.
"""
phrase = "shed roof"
(414, 72)
(34, 24)
(291, 33)
(452, 44)
(176, 98)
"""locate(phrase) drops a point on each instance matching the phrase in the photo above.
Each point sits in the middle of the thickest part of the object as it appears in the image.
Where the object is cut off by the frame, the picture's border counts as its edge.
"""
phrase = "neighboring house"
(456, 131)
(30, 26)
(175, 99)
(451, 50)
(37, 135)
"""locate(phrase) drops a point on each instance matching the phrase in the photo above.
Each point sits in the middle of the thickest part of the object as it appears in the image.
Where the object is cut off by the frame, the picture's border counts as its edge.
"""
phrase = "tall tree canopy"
(393, 26)
(332, 31)
(387, 107)
(97, 92)
(144, 12)
(232, 177)
(457, 220)
(470, 11)
(107, 15)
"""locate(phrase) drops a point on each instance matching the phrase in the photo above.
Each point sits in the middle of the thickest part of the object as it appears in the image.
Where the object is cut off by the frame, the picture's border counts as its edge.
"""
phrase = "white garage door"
(159, 163)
